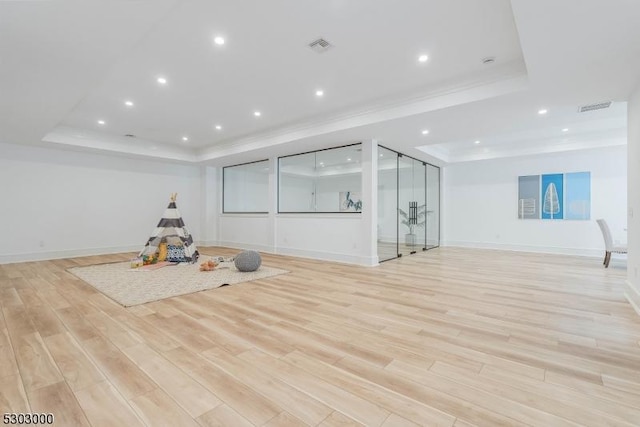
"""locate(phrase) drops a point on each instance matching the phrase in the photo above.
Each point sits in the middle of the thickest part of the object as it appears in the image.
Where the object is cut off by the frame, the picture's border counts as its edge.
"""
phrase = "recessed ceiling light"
(476, 142)
(185, 138)
(565, 130)
(257, 113)
(218, 127)
(162, 80)
(542, 111)
(319, 93)
(219, 40)
(425, 132)
(101, 122)
(381, 155)
(128, 103)
(423, 58)
(321, 163)
(349, 159)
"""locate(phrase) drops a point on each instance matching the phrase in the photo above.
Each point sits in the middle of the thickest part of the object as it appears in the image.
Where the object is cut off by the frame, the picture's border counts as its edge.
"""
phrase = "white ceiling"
(64, 65)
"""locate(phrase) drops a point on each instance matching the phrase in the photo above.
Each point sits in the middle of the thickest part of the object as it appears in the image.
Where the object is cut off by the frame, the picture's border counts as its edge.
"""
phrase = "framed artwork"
(555, 196)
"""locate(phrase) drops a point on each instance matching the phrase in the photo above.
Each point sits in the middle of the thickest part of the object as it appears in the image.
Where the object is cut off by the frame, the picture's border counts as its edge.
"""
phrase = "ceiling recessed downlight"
(101, 122)
(162, 80)
(319, 93)
(257, 113)
(565, 130)
(349, 159)
(218, 127)
(185, 138)
(128, 103)
(219, 40)
(476, 142)
(543, 111)
(425, 132)
(423, 58)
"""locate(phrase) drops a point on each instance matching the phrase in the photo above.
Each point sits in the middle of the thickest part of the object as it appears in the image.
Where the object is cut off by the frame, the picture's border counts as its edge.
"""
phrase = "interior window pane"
(322, 181)
(246, 188)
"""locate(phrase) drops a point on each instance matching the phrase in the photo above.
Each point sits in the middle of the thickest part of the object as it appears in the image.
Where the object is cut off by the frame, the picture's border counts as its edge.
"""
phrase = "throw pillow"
(175, 253)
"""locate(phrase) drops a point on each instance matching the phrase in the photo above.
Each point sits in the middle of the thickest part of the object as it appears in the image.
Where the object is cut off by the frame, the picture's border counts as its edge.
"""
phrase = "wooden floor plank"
(186, 391)
(223, 416)
(156, 408)
(12, 395)
(242, 398)
(75, 365)
(58, 400)
(37, 367)
(128, 378)
(105, 407)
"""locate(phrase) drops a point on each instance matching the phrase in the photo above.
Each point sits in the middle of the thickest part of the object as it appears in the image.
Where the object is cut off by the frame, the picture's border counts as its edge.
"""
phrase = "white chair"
(608, 243)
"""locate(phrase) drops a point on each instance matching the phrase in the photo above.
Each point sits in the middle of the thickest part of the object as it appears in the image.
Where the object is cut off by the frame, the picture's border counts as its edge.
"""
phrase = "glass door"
(387, 204)
(407, 207)
(433, 207)
(420, 203)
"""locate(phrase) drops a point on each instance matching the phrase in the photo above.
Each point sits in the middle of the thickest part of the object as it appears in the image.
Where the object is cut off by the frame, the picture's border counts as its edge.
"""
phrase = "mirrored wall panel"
(245, 188)
(327, 181)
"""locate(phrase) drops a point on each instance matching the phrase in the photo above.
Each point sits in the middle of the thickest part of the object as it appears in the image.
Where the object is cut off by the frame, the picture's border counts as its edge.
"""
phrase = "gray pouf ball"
(248, 261)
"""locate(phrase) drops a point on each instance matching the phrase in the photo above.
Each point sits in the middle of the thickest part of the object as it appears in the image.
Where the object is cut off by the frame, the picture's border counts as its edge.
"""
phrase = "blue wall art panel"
(577, 188)
(552, 196)
(529, 197)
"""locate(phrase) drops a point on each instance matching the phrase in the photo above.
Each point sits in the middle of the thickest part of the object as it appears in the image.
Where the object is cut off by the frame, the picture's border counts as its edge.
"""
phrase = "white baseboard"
(329, 256)
(633, 296)
(301, 253)
(69, 253)
(596, 253)
(240, 245)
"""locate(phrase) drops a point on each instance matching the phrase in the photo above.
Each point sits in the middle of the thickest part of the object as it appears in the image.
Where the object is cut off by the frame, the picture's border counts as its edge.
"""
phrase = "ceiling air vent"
(130, 135)
(592, 107)
(320, 45)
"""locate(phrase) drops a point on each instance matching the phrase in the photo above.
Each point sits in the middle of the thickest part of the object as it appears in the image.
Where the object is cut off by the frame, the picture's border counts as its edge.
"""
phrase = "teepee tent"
(172, 227)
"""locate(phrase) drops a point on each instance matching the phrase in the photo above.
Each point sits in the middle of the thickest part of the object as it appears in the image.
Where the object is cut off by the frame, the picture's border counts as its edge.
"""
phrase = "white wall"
(335, 237)
(633, 217)
(244, 231)
(480, 203)
(61, 203)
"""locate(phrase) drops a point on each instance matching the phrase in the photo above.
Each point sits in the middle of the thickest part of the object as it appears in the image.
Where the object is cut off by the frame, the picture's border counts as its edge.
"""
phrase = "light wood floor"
(447, 337)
